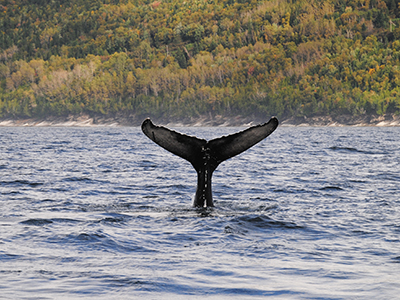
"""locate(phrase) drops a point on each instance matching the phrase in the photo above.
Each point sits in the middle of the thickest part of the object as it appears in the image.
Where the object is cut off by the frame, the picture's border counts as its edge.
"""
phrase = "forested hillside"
(187, 58)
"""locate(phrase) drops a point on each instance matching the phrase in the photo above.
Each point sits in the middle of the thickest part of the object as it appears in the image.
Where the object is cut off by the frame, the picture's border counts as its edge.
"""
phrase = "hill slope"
(184, 59)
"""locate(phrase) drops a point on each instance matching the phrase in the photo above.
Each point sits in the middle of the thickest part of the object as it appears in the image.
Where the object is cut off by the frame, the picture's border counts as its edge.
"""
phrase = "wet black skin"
(205, 156)
(204, 174)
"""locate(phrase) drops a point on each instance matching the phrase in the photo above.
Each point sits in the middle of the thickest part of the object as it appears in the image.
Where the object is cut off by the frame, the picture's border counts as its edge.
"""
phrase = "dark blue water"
(104, 213)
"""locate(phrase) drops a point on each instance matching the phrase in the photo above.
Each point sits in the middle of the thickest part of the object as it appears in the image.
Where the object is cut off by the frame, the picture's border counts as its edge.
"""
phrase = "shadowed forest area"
(185, 59)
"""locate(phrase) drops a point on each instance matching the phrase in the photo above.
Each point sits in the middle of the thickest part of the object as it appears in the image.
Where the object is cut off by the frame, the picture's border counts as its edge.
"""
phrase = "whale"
(205, 156)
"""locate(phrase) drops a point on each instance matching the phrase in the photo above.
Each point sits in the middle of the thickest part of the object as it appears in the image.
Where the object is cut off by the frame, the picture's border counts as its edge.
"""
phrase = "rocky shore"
(133, 120)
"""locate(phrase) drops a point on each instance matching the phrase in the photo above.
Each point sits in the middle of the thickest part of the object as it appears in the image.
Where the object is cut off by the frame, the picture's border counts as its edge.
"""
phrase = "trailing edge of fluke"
(205, 156)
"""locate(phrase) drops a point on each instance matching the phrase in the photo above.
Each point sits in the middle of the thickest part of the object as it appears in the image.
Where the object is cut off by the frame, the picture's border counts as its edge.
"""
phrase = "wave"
(37, 222)
(346, 149)
(331, 188)
(21, 182)
(354, 150)
(73, 179)
(264, 222)
(41, 221)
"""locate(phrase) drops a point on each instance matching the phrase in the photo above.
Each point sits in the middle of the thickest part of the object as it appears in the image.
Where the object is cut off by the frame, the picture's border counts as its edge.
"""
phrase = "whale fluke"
(205, 156)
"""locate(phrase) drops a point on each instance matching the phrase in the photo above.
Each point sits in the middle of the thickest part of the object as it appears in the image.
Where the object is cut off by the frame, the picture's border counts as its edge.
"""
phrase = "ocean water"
(104, 213)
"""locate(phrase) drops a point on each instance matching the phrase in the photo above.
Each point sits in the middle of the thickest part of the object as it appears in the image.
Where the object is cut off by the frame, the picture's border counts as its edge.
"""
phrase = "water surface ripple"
(104, 213)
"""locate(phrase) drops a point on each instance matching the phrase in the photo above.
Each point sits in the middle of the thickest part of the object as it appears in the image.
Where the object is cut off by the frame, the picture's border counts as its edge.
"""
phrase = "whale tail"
(205, 156)
(221, 149)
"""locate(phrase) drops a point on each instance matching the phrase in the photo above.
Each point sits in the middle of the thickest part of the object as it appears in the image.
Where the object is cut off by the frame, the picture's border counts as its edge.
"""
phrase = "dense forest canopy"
(187, 58)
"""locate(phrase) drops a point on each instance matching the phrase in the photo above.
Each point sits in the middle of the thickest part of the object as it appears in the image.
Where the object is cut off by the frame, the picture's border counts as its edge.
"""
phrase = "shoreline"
(389, 120)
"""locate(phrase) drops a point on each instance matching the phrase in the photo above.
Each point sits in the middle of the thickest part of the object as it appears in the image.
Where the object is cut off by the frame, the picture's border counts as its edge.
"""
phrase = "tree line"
(191, 58)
